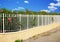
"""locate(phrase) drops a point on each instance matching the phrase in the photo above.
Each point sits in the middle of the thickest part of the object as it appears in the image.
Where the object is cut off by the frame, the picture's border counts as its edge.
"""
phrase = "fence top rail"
(30, 14)
(17, 15)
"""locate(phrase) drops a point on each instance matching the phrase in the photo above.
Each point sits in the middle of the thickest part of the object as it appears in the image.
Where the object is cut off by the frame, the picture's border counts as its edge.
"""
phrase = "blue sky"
(34, 5)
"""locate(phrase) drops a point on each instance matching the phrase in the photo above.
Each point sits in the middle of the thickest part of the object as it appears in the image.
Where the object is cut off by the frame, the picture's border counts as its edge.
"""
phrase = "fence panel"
(23, 22)
(11, 23)
(30, 21)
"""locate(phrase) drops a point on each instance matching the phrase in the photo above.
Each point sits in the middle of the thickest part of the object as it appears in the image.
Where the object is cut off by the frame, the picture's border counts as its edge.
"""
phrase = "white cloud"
(58, 4)
(52, 8)
(18, 8)
(53, 5)
(21, 8)
(58, 0)
(26, 1)
(45, 10)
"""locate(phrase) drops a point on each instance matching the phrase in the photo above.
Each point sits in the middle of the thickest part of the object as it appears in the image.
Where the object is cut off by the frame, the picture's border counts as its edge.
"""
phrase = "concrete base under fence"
(30, 33)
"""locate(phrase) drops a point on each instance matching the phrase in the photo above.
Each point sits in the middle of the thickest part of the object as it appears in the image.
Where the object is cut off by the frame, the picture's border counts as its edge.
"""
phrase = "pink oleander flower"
(10, 19)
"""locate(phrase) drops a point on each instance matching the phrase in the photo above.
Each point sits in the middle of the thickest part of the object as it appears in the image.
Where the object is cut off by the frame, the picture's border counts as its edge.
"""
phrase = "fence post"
(20, 22)
(38, 20)
(45, 19)
(27, 21)
(33, 18)
(48, 19)
(3, 22)
(42, 20)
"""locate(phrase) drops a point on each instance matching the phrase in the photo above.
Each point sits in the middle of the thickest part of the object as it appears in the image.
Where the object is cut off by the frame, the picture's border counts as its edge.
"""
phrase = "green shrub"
(18, 40)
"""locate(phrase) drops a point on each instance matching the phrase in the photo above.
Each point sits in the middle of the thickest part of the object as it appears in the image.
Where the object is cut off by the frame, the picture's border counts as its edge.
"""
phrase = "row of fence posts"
(38, 24)
(46, 19)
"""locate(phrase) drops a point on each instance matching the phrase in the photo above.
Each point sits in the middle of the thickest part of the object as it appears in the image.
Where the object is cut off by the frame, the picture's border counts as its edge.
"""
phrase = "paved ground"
(54, 36)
